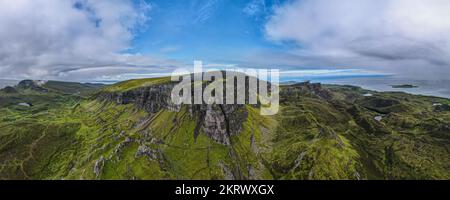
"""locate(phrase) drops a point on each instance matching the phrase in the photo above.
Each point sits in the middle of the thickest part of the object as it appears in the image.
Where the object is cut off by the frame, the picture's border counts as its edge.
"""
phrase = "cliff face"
(306, 89)
(350, 125)
(132, 130)
(32, 85)
(151, 99)
(219, 122)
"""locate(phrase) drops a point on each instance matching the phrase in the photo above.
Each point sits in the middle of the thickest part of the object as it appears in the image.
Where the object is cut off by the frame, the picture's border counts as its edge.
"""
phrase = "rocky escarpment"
(321, 132)
(219, 122)
(151, 98)
(305, 89)
(32, 85)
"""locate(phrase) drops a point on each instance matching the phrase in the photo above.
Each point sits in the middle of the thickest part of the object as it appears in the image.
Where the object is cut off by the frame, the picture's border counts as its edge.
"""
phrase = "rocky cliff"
(131, 130)
(219, 122)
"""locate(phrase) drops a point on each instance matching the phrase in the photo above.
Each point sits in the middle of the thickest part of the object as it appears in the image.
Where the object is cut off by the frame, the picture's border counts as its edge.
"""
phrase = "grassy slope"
(80, 89)
(136, 83)
(65, 137)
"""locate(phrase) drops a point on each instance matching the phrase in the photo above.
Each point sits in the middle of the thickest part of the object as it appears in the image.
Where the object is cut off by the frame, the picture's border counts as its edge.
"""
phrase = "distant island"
(404, 86)
(63, 130)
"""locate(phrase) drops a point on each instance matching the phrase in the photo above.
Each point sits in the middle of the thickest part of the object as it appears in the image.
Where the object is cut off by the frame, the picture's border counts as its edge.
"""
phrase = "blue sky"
(214, 30)
(88, 40)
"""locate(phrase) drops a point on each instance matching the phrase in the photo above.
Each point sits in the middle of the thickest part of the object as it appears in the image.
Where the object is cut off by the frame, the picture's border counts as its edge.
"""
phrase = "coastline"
(440, 88)
(376, 84)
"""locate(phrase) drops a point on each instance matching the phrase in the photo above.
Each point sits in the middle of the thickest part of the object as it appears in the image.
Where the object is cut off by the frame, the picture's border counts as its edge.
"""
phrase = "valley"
(131, 130)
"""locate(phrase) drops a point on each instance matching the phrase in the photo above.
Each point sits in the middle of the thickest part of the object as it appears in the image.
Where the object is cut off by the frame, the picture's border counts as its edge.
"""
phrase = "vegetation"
(321, 132)
(405, 86)
(136, 83)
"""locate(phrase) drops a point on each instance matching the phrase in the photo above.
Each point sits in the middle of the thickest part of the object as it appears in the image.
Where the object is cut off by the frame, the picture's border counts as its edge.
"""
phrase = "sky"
(94, 40)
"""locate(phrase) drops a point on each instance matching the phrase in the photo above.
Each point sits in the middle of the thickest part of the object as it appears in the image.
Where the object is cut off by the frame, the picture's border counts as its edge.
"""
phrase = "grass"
(136, 83)
(63, 136)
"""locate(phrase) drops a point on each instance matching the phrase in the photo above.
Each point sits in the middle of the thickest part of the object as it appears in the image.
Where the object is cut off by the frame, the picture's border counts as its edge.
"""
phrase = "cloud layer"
(410, 37)
(91, 39)
(77, 38)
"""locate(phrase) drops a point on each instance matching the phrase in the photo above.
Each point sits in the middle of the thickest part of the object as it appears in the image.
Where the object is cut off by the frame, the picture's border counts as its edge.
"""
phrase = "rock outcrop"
(148, 152)
(9, 90)
(305, 89)
(98, 167)
(32, 85)
(151, 98)
(219, 122)
(442, 108)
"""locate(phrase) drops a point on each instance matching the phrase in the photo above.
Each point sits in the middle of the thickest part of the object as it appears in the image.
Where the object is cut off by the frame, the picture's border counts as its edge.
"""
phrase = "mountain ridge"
(130, 131)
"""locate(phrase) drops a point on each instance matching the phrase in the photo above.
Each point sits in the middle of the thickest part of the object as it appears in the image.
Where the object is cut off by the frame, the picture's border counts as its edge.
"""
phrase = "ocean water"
(438, 88)
(6, 82)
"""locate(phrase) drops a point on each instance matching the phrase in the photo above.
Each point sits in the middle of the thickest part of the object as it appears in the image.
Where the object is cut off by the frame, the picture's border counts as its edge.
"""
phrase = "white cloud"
(254, 7)
(407, 36)
(170, 49)
(206, 10)
(54, 38)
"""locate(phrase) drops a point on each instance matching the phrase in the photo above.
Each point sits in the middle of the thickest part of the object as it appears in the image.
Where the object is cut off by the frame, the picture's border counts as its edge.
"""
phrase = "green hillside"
(130, 130)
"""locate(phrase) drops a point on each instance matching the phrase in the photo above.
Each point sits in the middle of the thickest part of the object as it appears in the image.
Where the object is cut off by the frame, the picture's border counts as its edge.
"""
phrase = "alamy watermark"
(241, 86)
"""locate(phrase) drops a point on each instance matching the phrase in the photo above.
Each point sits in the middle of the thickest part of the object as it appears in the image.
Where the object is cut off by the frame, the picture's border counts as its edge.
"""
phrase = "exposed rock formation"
(152, 98)
(147, 152)
(442, 108)
(306, 88)
(118, 149)
(219, 122)
(98, 167)
(32, 85)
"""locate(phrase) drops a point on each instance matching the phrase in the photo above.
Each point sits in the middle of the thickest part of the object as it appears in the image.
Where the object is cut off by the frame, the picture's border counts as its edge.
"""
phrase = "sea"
(7, 82)
(438, 88)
